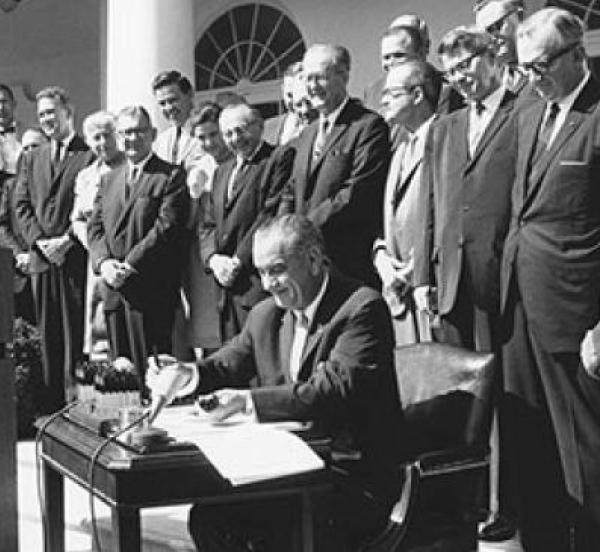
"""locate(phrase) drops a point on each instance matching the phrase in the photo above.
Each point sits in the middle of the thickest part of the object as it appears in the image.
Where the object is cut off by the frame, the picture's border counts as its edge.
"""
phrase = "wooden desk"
(127, 482)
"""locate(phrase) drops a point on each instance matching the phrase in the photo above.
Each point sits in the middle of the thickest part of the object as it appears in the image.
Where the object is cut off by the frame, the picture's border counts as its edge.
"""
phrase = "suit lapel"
(459, 136)
(492, 129)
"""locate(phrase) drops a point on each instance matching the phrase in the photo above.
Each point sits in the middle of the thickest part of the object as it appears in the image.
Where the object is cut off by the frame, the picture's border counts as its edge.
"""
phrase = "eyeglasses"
(541, 67)
(397, 91)
(495, 27)
(462, 65)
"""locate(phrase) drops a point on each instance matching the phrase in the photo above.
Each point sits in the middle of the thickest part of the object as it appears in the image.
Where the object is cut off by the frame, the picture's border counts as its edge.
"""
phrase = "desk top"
(124, 477)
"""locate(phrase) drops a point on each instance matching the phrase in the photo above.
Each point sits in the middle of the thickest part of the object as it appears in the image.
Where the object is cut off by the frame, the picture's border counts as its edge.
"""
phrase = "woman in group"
(100, 135)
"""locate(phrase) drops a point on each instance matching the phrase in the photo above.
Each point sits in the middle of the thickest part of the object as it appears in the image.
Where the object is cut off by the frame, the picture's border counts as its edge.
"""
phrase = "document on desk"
(244, 452)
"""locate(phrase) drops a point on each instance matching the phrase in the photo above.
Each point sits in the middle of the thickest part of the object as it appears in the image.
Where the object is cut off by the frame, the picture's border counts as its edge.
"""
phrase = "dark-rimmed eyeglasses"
(462, 65)
(397, 91)
(541, 67)
(495, 27)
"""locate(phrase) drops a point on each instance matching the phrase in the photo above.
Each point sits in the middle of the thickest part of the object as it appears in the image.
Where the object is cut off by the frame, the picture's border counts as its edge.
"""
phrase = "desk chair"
(447, 398)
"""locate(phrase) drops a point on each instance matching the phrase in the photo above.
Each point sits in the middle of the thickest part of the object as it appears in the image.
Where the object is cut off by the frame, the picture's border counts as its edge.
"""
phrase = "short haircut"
(415, 22)
(229, 98)
(296, 233)
(293, 69)
(8, 91)
(469, 39)
(340, 55)
(206, 112)
(99, 119)
(416, 39)
(55, 93)
(167, 78)
(561, 27)
(135, 111)
(426, 76)
(253, 111)
(513, 4)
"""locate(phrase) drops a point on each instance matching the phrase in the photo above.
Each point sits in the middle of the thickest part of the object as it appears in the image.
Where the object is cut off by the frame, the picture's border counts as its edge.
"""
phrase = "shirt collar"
(332, 117)
(566, 103)
(310, 310)
(67, 141)
(493, 100)
(240, 159)
(140, 164)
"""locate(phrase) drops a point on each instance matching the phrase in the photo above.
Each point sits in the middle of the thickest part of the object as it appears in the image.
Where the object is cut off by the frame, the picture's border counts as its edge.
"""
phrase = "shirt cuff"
(193, 382)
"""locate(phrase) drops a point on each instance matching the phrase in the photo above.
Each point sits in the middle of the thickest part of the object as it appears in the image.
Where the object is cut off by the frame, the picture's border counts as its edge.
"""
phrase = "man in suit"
(551, 291)
(9, 140)
(240, 188)
(320, 349)
(468, 168)
(340, 166)
(134, 238)
(279, 130)
(43, 202)
(409, 99)
(175, 97)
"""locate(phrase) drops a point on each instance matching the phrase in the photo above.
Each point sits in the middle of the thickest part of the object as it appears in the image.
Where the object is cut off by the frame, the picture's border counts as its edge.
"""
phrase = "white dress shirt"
(479, 121)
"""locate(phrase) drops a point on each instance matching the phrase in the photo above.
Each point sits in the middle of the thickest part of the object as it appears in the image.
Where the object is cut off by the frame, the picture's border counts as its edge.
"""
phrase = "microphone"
(171, 379)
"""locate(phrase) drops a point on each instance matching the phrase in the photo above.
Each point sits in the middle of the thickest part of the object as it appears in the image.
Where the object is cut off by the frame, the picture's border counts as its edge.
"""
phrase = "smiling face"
(54, 117)
(292, 278)
(241, 129)
(102, 141)
(500, 18)
(135, 136)
(397, 98)
(174, 104)
(210, 138)
(325, 83)
(474, 75)
(302, 106)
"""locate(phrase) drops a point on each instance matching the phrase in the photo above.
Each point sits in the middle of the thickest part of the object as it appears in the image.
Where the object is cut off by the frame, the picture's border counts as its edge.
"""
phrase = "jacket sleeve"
(96, 233)
(24, 206)
(7, 237)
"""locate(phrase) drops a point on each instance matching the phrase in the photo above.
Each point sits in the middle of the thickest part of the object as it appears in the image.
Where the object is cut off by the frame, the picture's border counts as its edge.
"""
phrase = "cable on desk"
(96, 546)
(38, 462)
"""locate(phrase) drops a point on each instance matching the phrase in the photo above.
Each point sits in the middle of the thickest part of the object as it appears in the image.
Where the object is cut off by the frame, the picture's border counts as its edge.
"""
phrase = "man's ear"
(418, 95)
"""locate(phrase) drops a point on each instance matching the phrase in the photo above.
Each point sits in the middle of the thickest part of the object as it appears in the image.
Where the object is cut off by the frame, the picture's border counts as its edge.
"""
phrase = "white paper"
(242, 451)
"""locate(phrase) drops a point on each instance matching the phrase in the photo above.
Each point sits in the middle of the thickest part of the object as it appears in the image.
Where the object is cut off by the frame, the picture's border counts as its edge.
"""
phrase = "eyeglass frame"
(494, 28)
(541, 67)
(463, 64)
(407, 90)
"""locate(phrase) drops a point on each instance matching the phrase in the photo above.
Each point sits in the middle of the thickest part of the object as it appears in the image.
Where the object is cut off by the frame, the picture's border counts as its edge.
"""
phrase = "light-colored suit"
(400, 226)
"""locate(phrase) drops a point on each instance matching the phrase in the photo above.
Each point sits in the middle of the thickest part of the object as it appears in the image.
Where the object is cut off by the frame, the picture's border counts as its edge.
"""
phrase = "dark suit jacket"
(346, 381)
(467, 210)
(10, 235)
(44, 200)
(228, 226)
(145, 231)
(342, 192)
(554, 240)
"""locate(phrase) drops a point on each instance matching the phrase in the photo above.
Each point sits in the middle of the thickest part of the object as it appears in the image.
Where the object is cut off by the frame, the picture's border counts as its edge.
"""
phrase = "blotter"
(248, 452)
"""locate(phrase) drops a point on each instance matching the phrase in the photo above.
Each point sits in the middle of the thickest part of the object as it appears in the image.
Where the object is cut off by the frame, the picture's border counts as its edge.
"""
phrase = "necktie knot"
(321, 138)
(479, 107)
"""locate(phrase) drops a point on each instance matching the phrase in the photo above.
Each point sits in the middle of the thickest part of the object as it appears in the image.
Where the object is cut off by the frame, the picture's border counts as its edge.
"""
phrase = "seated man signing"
(319, 349)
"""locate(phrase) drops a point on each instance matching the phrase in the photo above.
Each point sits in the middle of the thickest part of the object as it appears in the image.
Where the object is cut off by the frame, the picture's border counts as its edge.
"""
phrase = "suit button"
(461, 241)
(521, 223)
(465, 208)
(225, 236)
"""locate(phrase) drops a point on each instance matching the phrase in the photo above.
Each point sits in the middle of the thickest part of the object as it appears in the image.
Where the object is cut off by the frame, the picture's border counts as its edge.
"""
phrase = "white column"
(144, 37)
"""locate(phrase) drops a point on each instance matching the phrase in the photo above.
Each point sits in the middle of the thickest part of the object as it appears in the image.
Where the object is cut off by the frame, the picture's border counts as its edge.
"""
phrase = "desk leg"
(54, 497)
(126, 529)
(308, 536)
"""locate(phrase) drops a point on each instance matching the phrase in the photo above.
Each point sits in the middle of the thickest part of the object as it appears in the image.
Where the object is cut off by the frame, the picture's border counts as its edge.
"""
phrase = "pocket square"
(572, 163)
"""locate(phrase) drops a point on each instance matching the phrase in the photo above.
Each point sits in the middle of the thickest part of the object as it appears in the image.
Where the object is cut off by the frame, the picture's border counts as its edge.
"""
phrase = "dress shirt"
(133, 174)
(480, 115)
(64, 144)
(303, 320)
(565, 104)
(332, 117)
(512, 78)
(10, 148)
(290, 129)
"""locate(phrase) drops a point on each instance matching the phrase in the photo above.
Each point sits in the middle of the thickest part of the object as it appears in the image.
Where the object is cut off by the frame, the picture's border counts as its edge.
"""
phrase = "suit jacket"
(144, 230)
(229, 225)
(553, 245)
(342, 192)
(189, 149)
(44, 198)
(466, 210)
(346, 381)
(10, 236)
(274, 127)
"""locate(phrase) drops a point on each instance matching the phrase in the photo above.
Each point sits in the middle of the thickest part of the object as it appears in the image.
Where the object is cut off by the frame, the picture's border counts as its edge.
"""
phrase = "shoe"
(497, 528)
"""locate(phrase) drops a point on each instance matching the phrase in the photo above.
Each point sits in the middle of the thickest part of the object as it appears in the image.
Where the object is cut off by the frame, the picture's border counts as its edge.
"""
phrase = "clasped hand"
(54, 249)
(224, 268)
(394, 273)
(115, 273)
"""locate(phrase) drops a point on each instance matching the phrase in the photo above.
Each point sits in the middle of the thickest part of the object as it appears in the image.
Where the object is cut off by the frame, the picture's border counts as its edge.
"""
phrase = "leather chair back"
(447, 396)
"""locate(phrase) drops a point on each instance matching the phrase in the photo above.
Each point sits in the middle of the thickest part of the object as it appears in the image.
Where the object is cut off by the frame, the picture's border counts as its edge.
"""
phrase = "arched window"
(245, 51)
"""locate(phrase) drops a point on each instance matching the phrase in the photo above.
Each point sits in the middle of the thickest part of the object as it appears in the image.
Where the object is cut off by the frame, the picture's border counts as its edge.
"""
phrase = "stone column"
(140, 39)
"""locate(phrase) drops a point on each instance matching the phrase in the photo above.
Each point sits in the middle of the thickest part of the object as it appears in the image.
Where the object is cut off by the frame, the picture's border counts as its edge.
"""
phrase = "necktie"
(301, 326)
(175, 148)
(235, 177)
(58, 145)
(131, 180)
(321, 138)
(546, 130)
